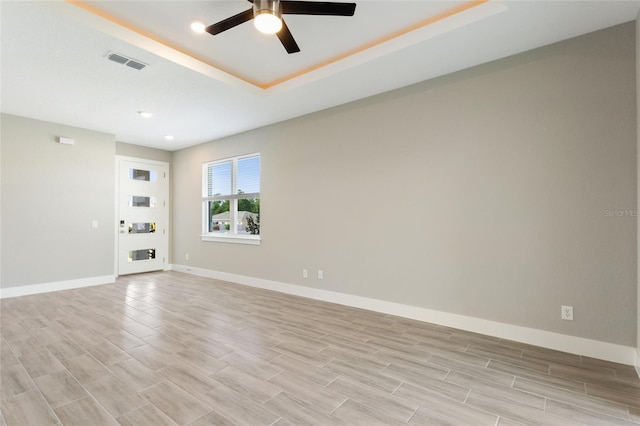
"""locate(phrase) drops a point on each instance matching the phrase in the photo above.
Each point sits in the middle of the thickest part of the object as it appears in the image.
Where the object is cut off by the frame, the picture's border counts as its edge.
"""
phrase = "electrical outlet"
(305, 273)
(320, 274)
(186, 256)
(566, 313)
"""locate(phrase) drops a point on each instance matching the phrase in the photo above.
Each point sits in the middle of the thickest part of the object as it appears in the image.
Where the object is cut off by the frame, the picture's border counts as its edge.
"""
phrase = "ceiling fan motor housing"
(271, 7)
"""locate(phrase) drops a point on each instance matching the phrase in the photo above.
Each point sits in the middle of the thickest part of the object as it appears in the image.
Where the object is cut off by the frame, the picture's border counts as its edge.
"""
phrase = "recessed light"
(145, 114)
(198, 27)
(169, 137)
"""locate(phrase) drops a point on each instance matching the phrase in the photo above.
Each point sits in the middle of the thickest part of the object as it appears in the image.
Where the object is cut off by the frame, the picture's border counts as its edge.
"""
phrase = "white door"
(143, 189)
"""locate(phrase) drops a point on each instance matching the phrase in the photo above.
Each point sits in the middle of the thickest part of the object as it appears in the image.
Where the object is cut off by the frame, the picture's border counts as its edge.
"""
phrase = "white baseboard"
(637, 360)
(25, 290)
(547, 339)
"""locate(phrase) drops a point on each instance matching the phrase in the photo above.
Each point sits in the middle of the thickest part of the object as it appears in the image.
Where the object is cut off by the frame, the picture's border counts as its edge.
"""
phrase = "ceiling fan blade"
(228, 23)
(287, 40)
(317, 8)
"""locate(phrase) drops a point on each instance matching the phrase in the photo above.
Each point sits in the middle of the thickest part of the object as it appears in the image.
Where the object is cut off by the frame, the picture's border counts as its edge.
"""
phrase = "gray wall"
(138, 151)
(492, 193)
(50, 195)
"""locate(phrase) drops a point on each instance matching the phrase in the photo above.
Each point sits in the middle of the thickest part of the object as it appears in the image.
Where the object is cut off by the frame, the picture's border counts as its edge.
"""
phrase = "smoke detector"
(125, 60)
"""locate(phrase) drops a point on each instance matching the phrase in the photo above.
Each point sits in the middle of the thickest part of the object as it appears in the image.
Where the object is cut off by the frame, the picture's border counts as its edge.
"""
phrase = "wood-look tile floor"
(169, 348)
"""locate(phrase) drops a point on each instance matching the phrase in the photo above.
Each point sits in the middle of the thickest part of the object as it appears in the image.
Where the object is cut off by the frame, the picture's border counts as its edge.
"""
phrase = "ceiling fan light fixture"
(267, 23)
(267, 16)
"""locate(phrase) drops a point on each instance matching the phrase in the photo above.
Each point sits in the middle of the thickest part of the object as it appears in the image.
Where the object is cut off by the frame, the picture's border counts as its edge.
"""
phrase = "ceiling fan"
(267, 16)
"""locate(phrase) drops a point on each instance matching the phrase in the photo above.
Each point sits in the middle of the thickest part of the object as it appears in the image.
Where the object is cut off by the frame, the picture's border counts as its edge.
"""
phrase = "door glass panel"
(140, 201)
(146, 254)
(143, 175)
(142, 228)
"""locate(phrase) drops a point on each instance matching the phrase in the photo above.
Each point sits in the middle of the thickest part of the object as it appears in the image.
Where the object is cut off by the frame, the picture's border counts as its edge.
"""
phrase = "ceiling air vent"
(125, 60)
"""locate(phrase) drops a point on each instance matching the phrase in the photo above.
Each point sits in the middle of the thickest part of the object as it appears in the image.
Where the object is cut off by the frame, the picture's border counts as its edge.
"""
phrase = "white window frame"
(232, 237)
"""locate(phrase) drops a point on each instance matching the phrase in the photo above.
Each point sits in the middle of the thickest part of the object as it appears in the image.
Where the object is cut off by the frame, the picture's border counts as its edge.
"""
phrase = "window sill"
(234, 239)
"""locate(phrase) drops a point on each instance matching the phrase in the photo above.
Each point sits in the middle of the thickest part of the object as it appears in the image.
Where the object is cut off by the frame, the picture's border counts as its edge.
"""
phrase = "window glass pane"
(142, 228)
(248, 216)
(219, 216)
(219, 179)
(146, 254)
(142, 201)
(144, 175)
(248, 175)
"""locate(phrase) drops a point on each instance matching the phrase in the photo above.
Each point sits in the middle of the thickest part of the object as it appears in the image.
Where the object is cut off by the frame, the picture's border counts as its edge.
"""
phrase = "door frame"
(116, 224)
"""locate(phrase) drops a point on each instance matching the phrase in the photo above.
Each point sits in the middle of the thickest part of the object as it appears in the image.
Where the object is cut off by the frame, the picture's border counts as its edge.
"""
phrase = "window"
(231, 200)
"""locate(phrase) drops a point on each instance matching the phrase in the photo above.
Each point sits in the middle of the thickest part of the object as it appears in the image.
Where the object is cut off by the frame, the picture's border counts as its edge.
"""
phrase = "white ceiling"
(201, 87)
